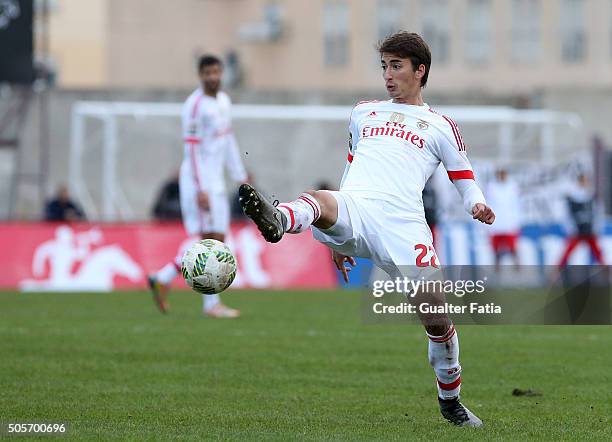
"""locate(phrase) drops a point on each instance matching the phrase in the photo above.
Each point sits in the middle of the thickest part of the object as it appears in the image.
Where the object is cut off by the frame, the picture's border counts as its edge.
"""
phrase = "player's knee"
(320, 196)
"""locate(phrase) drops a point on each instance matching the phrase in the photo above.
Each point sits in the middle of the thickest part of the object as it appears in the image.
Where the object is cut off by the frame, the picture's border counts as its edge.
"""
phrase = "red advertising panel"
(90, 257)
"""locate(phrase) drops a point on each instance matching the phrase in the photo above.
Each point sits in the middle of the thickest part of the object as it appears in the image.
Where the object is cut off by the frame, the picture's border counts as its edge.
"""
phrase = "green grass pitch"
(297, 365)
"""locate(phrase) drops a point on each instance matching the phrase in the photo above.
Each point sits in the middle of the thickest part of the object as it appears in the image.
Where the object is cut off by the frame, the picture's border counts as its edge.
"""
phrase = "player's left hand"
(339, 260)
(483, 213)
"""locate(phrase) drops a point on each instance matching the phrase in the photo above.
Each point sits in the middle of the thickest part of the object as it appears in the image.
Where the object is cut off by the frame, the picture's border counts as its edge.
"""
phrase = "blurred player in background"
(394, 147)
(503, 196)
(581, 207)
(209, 148)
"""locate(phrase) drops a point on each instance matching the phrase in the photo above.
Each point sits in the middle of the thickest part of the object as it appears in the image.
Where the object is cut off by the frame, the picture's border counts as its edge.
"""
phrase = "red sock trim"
(445, 337)
(291, 215)
(315, 210)
(451, 386)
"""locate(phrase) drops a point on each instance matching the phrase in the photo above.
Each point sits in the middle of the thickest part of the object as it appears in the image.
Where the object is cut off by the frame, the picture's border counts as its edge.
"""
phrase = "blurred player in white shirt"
(394, 147)
(209, 149)
(503, 196)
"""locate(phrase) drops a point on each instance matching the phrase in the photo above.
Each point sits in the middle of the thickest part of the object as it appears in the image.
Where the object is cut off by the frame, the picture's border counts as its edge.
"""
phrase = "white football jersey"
(395, 148)
(504, 198)
(210, 144)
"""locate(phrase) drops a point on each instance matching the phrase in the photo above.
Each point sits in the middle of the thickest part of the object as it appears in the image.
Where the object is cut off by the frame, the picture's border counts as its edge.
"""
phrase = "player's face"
(401, 79)
(210, 76)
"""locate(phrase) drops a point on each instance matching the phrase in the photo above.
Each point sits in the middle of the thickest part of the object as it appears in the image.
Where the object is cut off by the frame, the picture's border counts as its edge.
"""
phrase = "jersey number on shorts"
(422, 260)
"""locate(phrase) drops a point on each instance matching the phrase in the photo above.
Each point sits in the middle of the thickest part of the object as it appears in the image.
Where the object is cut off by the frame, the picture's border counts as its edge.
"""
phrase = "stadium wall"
(47, 257)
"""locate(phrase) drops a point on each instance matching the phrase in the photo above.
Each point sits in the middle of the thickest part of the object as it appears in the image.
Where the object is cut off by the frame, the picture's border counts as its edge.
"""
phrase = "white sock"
(300, 213)
(168, 272)
(444, 358)
(210, 301)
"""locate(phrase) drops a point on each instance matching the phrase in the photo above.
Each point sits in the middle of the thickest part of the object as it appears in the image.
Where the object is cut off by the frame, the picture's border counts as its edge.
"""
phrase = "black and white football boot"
(456, 413)
(264, 214)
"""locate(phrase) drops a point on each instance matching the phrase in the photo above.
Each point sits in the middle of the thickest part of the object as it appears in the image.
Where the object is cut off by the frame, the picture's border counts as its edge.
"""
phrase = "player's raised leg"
(318, 208)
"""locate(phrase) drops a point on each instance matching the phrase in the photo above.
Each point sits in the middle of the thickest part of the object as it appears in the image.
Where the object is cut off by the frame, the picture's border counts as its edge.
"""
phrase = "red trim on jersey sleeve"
(454, 175)
(455, 130)
(196, 105)
(349, 157)
(192, 144)
(195, 140)
(456, 133)
(194, 164)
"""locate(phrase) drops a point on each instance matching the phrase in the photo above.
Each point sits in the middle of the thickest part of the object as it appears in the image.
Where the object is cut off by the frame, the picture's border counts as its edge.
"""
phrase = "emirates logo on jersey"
(393, 129)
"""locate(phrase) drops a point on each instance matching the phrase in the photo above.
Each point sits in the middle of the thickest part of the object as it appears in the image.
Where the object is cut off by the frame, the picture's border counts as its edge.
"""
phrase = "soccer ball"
(208, 266)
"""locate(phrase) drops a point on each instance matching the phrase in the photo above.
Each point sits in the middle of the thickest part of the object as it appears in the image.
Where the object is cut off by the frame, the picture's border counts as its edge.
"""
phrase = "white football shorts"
(196, 220)
(379, 230)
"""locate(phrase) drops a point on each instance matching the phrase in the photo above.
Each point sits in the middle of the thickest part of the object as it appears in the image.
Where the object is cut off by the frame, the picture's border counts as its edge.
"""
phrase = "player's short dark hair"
(408, 45)
(208, 60)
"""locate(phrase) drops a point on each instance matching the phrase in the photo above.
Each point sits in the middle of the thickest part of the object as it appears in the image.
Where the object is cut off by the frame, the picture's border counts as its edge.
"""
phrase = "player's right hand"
(339, 260)
(203, 201)
(483, 213)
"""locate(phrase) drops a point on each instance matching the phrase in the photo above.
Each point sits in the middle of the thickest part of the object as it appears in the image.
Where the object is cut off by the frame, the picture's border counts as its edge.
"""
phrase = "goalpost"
(501, 133)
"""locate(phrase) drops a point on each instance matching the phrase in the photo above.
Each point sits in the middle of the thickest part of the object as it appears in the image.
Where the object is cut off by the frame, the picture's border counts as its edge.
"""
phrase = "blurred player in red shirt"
(503, 196)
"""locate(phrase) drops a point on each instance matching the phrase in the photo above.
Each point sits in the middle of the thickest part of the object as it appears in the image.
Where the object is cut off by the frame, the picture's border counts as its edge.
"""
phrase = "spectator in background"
(503, 196)
(581, 206)
(168, 204)
(430, 204)
(63, 208)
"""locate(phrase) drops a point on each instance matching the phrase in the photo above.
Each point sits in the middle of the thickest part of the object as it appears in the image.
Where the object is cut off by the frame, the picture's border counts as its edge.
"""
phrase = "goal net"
(122, 152)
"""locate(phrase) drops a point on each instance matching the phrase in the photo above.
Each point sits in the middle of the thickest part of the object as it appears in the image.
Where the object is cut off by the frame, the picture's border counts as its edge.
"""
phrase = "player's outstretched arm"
(474, 201)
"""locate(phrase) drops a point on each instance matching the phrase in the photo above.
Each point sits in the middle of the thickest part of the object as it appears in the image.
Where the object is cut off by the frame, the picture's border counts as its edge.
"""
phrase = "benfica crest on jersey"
(423, 125)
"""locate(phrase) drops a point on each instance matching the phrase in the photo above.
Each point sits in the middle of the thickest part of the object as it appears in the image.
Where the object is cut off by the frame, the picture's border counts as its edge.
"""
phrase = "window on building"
(389, 14)
(526, 44)
(479, 35)
(336, 32)
(573, 32)
(436, 28)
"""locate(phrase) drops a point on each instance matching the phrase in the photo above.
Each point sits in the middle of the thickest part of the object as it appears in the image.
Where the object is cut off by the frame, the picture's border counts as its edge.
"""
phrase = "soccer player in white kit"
(209, 149)
(394, 147)
(504, 196)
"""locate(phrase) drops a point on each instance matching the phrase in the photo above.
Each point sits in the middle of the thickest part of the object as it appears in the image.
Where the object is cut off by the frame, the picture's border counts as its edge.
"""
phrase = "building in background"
(487, 46)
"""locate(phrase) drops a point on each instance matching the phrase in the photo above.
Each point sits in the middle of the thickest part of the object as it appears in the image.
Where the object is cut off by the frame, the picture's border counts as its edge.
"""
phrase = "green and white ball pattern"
(209, 266)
